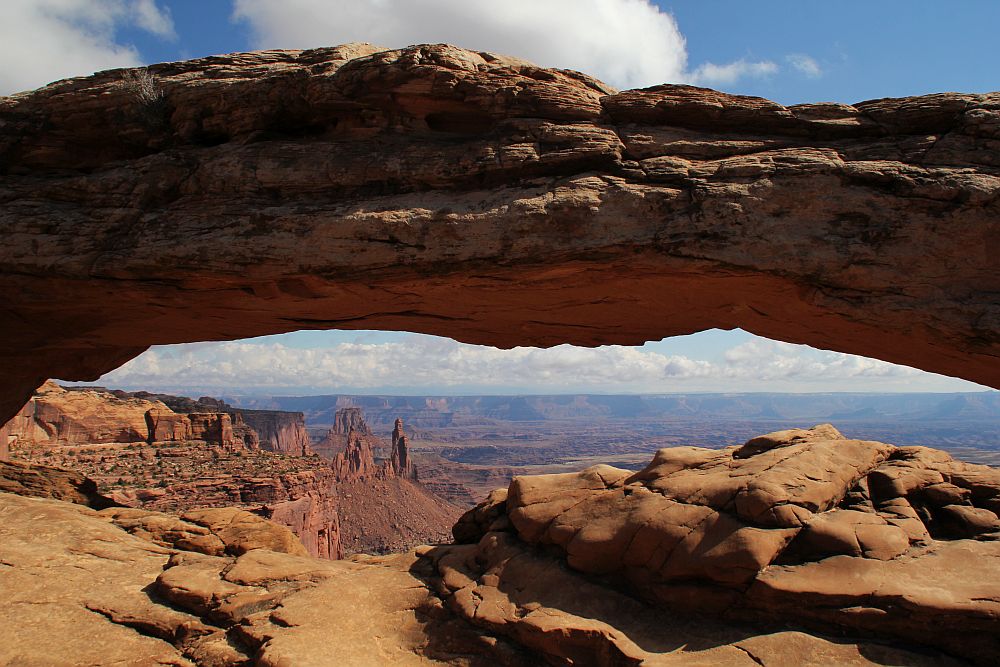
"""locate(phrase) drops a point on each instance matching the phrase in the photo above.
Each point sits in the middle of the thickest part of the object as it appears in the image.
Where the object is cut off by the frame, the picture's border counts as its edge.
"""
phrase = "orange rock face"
(799, 526)
(176, 462)
(411, 189)
(55, 416)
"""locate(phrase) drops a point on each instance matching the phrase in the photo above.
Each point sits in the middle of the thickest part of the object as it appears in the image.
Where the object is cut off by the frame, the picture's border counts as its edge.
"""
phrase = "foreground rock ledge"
(479, 197)
(804, 527)
(705, 557)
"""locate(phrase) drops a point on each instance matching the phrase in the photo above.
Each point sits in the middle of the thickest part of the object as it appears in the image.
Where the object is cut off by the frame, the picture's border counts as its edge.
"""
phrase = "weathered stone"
(509, 589)
(78, 591)
(241, 531)
(696, 530)
(38, 481)
(776, 480)
(410, 189)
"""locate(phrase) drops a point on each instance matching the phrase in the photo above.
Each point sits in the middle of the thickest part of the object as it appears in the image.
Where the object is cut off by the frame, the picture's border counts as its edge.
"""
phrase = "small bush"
(143, 85)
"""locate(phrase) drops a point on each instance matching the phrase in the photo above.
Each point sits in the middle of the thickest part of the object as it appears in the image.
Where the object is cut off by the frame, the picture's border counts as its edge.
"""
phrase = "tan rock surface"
(80, 591)
(410, 189)
(72, 586)
(896, 542)
(36, 481)
(514, 591)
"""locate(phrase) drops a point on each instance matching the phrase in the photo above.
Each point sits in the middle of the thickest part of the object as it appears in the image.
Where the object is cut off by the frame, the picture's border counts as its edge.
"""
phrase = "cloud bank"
(55, 39)
(427, 364)
(627, 43)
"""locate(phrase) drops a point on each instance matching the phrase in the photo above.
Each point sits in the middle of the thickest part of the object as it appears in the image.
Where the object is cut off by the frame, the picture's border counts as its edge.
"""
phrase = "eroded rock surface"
(81, 591)
(353, 187)
(800, 526)
(55, 416)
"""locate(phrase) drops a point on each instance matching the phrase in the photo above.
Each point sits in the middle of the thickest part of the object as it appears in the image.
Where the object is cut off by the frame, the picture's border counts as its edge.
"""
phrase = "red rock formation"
(37, 481)
(55, 416)
(214, 427)
(167, 426)
(272, 430)
(350, 419)
(314, 518)
(243, 433)
(420, 189)
(346, 421)
(278, 431)
(399, 459)
(799, 526)
(198, 459)
(356, 462)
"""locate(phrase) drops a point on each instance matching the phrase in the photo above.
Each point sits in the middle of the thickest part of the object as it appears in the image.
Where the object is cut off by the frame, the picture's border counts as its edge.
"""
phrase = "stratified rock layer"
(152, 464)
(55, 417)
(804, 527)
(480, 197)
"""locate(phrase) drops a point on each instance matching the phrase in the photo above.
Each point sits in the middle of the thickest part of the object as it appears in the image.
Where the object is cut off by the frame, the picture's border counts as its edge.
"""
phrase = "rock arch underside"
(445, 191)
(480, 197)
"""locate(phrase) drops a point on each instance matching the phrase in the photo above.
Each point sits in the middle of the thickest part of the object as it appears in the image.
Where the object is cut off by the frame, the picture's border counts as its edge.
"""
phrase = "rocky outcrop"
(383, 508)
(351, 505)
(35, 481)
(68, 573)
(357, 461)
(305, 501)
(346, 420)
(348, 423)
(350, 187)
(79, 590)
(283, 432)
(273, 430)
(213, 531)
(314, 516)
(399, 457)
(800, 526)
(55, 417)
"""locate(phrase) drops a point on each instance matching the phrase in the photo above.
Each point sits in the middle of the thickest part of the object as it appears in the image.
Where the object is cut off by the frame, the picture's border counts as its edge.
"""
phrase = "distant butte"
(480, 197)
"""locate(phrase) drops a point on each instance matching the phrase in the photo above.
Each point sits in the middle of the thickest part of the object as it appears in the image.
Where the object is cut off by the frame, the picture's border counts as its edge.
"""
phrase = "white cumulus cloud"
(427, 364)
(710, 74)
(45, 40)
(805, 64)
(627, 43)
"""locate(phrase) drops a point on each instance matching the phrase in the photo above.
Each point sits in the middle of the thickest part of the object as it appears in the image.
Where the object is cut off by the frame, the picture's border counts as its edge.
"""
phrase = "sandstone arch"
(475, 196)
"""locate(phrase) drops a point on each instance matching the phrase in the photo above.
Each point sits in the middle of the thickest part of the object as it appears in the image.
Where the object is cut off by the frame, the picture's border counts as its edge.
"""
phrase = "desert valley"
(496, 475)
(467, 194)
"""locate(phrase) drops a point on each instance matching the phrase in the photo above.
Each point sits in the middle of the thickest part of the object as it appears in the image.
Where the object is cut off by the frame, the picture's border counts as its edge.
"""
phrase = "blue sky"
(787, 51)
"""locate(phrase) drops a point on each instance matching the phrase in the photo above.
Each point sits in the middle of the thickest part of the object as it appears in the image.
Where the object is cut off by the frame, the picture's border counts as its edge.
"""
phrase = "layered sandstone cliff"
(57, 417)
(273, 430)
(354, 187)
(171, 461)
(278, 431)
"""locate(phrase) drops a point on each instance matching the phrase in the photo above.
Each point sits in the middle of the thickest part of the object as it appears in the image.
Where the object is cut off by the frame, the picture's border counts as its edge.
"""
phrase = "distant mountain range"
(439, 411)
